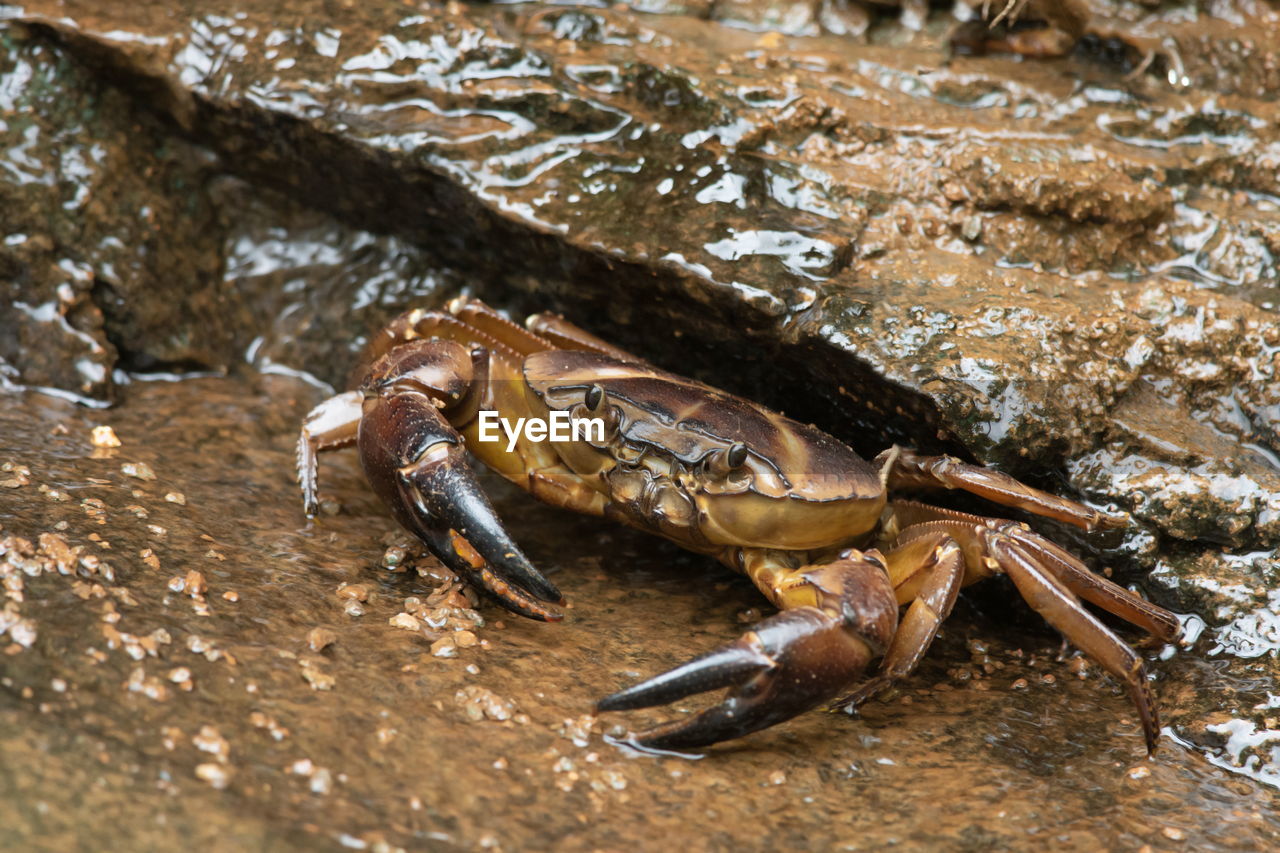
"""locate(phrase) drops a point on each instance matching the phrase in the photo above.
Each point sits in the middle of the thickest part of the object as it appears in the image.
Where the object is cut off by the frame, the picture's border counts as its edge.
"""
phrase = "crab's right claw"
(788, 664)
(454, 517)
(415, 461)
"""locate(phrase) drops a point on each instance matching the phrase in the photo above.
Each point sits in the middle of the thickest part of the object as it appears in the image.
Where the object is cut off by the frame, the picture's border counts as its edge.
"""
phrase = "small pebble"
(405, 621)
(465, 639)
(195, 583)
(216, 775)
(149, 686)
(210, 740)
(479, 703)
(23, 632)
(231, 595)
(1173, 833)
(176, 498)
(353, 591)
(321, 781)
(317, 679)
(15, 482)
(104, 436)
(318, 639)
(1020, 684)
(614, 779)
(140, 470)
(445, 647)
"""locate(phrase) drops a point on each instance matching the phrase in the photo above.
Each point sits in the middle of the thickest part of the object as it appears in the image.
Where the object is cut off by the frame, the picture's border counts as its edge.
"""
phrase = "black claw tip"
(725, 667)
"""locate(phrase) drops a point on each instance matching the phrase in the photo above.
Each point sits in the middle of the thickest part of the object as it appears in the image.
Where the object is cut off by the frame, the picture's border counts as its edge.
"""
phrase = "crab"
(810, 522)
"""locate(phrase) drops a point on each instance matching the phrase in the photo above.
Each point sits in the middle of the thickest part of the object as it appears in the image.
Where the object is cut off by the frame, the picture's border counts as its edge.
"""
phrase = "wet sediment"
(192, 658)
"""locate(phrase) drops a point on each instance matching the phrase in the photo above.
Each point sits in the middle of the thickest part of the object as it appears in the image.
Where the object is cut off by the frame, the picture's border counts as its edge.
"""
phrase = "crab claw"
(415, 462)
(789, 664)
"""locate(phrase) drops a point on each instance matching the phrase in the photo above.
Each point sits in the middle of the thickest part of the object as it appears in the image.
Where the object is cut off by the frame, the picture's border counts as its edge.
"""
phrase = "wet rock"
(106, 219)
(835, 258)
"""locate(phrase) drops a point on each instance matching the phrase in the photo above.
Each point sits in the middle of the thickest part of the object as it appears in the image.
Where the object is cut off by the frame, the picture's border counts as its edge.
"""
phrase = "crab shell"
(663, 462)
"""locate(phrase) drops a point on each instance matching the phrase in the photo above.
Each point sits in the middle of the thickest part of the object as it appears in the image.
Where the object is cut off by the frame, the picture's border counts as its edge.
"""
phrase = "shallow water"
(998, 741)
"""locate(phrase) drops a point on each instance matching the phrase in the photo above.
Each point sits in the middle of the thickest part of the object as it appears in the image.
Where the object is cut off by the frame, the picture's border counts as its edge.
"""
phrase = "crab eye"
(595, 405)
(728, 464)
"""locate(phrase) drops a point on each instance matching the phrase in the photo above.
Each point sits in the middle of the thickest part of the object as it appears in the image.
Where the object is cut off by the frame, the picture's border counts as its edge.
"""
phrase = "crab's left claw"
(789, 664)
(415, 461)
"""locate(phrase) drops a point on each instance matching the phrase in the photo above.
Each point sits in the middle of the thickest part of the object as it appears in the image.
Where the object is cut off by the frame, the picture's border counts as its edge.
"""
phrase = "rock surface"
(1062, 267)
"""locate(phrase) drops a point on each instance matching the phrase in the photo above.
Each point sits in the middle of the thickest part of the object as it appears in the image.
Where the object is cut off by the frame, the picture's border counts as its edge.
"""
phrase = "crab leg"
(479, 317)
(926, 571)
(1092, 587)
(1048, 578)
(1096, 589)
(1060, 608)
(566, 335)
(331, 425)
(907, 470)
(836, 618)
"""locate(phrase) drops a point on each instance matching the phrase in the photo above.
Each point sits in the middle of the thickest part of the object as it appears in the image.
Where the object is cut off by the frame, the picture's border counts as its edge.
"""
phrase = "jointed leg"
(463, 321)
(1064, 565)
(479, 316)
(1049, 578)
(907, 470)
(1051, 598)
(333, 424)
(565, 335)
(926, 571)
(557, 486)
